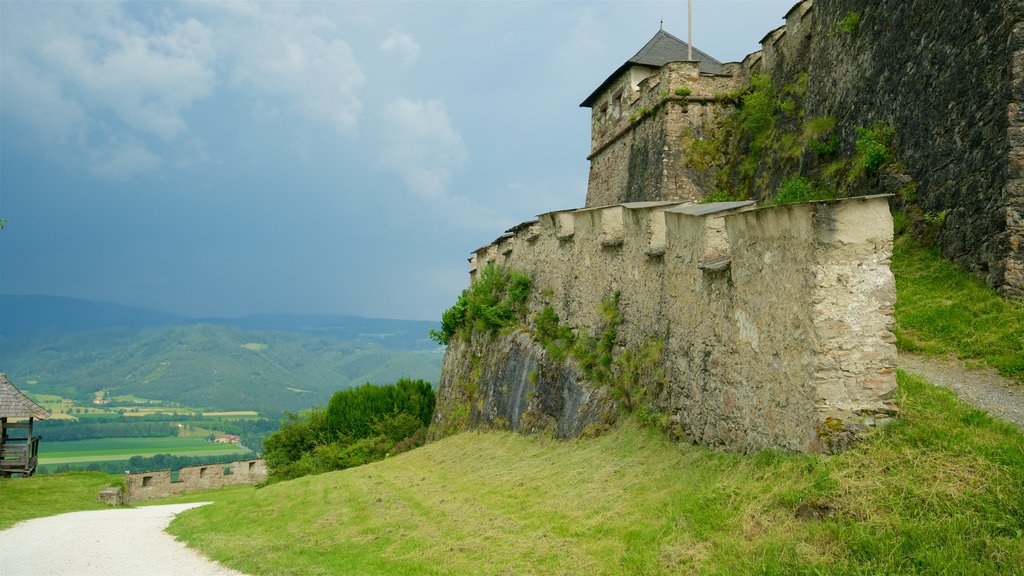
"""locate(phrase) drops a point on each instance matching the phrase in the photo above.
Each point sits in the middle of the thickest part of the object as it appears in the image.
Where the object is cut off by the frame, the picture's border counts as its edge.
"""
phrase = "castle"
(762, 327)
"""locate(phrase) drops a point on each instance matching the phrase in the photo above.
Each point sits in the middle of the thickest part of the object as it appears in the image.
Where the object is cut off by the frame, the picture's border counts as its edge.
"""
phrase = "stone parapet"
(775, 322)
(159, 484)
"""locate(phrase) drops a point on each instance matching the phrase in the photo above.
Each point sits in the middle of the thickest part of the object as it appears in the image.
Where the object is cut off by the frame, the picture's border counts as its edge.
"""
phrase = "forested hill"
(207, 366)
(27, 314)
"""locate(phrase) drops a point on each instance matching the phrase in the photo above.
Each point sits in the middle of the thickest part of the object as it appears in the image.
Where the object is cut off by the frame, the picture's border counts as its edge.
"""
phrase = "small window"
(252, 466)
(227, 471)
(202, 472)
(146, 481)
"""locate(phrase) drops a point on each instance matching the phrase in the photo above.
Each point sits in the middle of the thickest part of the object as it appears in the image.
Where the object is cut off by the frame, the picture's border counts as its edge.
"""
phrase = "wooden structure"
(19, 453)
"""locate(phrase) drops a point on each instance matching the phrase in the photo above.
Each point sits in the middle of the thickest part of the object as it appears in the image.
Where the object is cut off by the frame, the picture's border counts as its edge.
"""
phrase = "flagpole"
(689, 30)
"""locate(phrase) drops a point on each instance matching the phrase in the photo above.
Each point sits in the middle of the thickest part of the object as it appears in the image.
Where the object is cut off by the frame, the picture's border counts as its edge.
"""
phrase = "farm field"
(107, 449)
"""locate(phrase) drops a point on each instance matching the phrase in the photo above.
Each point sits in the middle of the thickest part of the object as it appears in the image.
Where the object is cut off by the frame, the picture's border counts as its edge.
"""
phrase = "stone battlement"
(775, 322)
(159, 484)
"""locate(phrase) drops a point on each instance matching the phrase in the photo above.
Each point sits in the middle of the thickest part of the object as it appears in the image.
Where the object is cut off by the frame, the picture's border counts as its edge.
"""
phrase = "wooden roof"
(14, 404)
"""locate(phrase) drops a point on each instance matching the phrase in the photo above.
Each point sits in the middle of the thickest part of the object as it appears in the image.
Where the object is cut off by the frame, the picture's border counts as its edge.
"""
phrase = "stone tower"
(642, 118)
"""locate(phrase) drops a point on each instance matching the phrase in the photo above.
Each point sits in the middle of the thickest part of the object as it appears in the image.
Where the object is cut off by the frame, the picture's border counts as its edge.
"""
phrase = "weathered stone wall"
(150, 485)
(774, 323)
(637, 135)
(948, 76)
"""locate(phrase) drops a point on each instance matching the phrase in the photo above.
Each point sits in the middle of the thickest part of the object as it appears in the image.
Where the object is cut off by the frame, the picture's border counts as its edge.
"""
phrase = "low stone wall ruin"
(151, 485)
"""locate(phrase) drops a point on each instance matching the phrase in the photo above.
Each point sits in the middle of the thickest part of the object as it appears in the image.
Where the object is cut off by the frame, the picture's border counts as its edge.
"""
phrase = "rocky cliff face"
(506, 381)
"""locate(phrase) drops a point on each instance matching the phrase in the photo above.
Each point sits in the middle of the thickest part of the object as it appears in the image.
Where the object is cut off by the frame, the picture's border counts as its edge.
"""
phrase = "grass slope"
(39, 496)
(941, 309)
(940, 491)
(207, 366)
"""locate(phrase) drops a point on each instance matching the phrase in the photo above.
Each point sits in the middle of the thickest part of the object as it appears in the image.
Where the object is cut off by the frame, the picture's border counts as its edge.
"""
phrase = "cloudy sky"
(333, 157)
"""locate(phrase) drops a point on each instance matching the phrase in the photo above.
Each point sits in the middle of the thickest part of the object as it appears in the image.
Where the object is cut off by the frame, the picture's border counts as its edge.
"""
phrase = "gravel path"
(982, 388)
(120, 542)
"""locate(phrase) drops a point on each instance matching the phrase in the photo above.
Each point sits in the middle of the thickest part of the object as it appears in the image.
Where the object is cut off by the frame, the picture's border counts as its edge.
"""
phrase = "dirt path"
(126, 541)
(983, 388)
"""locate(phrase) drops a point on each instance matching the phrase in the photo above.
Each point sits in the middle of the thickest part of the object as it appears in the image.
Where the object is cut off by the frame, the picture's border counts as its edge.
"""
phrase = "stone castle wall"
(946, 75)
(774, 322)
(150, 485)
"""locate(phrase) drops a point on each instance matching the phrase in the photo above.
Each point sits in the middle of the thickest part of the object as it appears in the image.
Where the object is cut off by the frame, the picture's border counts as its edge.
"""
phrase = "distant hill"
(207, 365)
(27, 314)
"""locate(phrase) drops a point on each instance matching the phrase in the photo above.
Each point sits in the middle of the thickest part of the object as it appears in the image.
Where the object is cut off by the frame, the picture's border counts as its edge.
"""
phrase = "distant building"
(227, 439)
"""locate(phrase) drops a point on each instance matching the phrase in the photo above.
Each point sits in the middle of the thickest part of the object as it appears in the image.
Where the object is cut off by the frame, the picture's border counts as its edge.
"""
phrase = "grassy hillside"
(941, 309)
(938, 491)
(207, 366)
(41, 496)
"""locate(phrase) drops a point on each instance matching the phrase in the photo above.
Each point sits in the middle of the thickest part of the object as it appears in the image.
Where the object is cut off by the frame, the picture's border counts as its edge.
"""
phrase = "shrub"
(799, 189)
(683, 92)
(849, 23)
(496, 300)
(355, 412)
(760, 108)
(359, 426)
(874, 146)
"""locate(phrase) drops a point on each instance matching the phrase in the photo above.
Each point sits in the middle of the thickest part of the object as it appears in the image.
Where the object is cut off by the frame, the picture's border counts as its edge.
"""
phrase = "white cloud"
(86, 79)
(97, 59)
(294, 60)
(122, 159)
(91, 81)
(404, 45)
(421, 145)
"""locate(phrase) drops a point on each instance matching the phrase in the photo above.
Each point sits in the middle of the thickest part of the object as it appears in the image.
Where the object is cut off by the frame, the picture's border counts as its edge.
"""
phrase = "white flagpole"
(689, 30)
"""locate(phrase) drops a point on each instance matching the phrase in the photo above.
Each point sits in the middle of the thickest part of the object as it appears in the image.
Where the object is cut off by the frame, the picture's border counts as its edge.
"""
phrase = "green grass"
(38, 496)
(939, 491)
(943, 310)
(105, 449)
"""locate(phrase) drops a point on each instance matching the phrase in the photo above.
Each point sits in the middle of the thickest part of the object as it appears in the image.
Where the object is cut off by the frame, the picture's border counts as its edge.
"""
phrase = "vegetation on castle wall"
(496, 300)
(768, 150)
(633, 373)
(848, 24)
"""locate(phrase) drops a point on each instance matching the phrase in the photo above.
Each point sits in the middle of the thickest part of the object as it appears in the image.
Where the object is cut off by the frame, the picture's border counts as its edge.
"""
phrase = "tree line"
(360, 425)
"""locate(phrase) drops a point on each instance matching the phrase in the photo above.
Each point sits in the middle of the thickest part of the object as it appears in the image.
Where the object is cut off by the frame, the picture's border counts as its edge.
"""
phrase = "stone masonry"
(946, 75)
(150, 485)
(775, 322)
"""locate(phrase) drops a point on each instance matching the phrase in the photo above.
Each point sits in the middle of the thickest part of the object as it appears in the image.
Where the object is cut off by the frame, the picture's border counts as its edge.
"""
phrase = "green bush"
(874, 146)
(359, 426)
(497, 299)
(353, 413)
(798, 189)
(849, 23)
(759, 106)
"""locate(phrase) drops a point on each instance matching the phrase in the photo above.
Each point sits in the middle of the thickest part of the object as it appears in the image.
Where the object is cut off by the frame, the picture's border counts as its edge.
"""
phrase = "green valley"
(206, 366)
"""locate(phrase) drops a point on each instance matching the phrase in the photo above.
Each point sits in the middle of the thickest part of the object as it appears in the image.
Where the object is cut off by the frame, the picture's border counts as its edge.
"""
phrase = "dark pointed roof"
(659, 50)
(14, 404)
